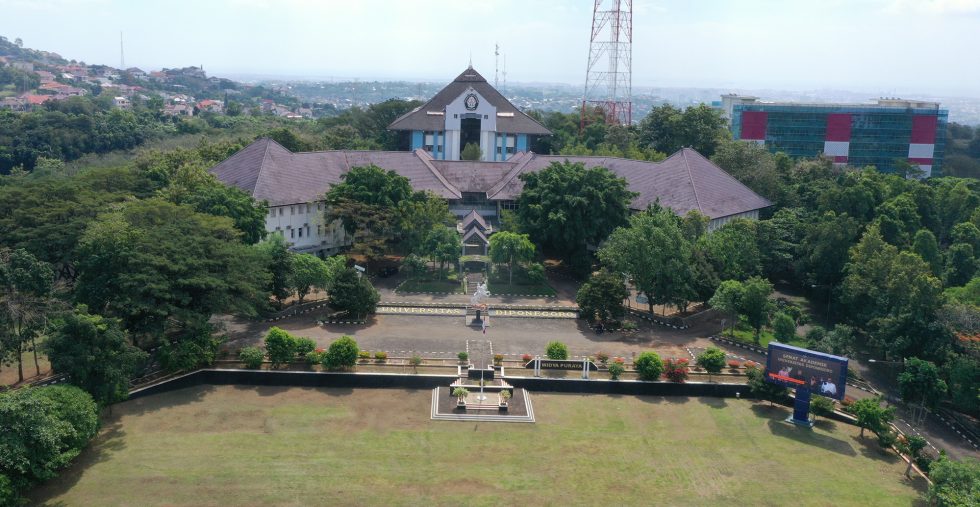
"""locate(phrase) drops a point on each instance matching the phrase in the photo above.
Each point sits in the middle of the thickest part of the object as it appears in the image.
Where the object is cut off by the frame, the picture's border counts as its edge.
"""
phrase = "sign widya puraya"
(799, 368)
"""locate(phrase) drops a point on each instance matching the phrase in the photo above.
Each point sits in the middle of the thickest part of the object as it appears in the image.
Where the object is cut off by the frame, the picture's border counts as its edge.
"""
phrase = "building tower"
(122, 57)
(609, 75)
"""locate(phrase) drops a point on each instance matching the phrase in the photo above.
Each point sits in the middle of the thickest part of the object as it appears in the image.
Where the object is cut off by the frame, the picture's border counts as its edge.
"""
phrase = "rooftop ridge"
(427, 161)
(518, 167)
(690, 175)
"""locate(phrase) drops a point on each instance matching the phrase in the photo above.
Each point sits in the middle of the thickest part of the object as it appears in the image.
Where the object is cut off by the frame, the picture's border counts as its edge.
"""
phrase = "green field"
(291, 446)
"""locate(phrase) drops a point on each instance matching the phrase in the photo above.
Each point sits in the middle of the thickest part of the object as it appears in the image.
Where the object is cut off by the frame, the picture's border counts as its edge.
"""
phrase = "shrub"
(675, 370)
(649, 366)
(460, 392)
(750, 365)
(280, 345)
(463, 356)
(342, 353)
(620, 361)
(380, 356)
(415, 360)
(364, 355)
(712, 360)
(498, 359)
(252, 357)
(602, 357)
(305, 345)
(315, 357)
(886, 438)
(526, 357)
(821, 406)
(557, 350)
(783, 327)
(505, 395)
(615, 370)
(629, 325)
(535, 273)
(734, 364)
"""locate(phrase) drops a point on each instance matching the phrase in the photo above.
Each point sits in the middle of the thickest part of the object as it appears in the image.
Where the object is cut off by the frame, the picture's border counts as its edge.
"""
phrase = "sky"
(888, 47)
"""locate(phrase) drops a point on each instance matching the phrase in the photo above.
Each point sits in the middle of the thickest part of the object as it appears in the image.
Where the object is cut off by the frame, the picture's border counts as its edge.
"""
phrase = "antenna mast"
(609, 86)
(122, 57)
(496, 63)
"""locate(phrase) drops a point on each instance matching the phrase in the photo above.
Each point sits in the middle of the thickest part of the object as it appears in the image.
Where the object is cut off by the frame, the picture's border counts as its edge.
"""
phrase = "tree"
(342, 353)
(309, 271)
(755, 303)
(25, 303)
(961, 264)
(36, 440)
(371, 185)
(280, 346)
(821, 406)
(556, 350)
(924, 244)
(955, 483)
(601, 297)
(443, 244)
(728, 299)
(920, 384)
(783, 327)
(278, 260)
(871, 415)
(648, 365)
(655, 253)
(161, 267)
(365, 202)
(615, 370)
(418, 216)
(565, 207)
(413, 265)
(914, 445)
(765, 390)
(733, 250)
(963, 373)
(471, 152)
(712, 360)
(353, 293)
(510, 248)
(668, 129)
(95, 354)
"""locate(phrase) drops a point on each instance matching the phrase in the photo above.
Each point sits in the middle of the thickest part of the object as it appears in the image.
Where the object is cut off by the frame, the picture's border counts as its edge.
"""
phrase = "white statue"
(480, 294)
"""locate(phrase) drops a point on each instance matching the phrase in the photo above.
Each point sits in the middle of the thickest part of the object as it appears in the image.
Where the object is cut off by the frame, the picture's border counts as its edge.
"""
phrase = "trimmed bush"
(734, 364)
(615, 370)
(675, 370)
(280, 345)
(648, 365)
(498, 359)
(305, 345)
(463, 356)
(364, 355)
(252, 357)
(750, 365)
(526, 357)
(415, 361)
(821, 406)
(602, 357)
(556, 350)
(712, 360)
(380, 356)
(315, 357)
(342, 354)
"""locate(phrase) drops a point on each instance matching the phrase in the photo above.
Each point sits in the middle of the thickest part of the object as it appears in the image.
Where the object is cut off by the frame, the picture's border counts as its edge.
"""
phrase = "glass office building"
(883, 134)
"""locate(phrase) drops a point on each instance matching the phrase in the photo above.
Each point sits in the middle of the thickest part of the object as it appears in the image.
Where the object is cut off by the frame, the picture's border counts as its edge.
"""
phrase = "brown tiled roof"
(474, 219)
(685, 181)
(418, 119)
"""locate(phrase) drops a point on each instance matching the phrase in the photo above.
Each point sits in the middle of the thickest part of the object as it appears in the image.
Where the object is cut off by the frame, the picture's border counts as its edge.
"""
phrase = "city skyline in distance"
(878, 47)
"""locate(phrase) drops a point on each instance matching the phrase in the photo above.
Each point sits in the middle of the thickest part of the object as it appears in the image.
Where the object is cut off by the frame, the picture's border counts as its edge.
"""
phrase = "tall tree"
(417, 216)
(443, 244)
(755, 303)
(728, 299)
(275, 256)
(601, 297)
(366, 202)
(159, 266)
(26, 303)
(668, 129)
(733, 250)
(566, 207)
(511, 248)
(95, 354)
(309, 272)
(924, 244)
(655, 253)
(353, 293)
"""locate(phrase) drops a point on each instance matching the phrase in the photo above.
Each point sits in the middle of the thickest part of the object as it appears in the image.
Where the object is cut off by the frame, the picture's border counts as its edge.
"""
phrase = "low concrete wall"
(404, 381)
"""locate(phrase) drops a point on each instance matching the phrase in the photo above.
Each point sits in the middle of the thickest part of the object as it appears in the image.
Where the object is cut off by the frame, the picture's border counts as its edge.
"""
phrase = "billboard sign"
(799, 368)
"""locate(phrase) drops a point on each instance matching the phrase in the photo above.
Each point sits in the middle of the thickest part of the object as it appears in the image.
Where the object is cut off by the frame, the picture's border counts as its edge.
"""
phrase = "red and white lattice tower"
(609, 76)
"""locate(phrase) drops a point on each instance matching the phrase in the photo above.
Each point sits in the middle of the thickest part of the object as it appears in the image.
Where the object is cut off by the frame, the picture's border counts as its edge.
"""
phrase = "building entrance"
(469, 132)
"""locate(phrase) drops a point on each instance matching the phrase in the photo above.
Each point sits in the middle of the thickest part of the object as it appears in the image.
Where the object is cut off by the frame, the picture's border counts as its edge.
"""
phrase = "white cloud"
(935, 7)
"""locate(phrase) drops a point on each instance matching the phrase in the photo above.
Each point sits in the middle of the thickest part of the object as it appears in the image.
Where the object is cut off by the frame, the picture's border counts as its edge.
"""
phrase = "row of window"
(299, 231)
(296, 208)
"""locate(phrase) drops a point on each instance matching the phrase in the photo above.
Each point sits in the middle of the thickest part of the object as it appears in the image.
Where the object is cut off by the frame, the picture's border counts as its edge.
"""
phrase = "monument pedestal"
(801, 409)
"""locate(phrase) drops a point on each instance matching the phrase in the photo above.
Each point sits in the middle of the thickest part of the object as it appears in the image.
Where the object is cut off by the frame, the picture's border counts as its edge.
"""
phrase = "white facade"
(715, 223)
(304, 228)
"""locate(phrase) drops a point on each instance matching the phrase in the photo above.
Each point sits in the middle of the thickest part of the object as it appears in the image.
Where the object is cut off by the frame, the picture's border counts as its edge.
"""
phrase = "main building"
(293, 184)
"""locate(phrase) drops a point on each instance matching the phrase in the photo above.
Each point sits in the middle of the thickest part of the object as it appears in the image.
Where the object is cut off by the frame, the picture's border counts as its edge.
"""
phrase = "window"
(280, 211)
(272, 212)
(301, 232)
(319, 230)
(292, 210)
(292, 233)
(308, 208)
(511, 205)
(319, 206)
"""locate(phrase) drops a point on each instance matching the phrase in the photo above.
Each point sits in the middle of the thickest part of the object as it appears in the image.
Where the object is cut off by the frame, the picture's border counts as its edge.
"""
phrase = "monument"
(481, 318)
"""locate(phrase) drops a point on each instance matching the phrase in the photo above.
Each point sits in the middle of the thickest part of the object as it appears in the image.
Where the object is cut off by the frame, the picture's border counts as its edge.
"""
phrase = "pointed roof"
(514, 120)
(474, 219)
(478, 233)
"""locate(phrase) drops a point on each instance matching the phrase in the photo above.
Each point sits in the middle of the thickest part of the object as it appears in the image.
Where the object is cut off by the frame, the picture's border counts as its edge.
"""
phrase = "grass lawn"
(451, 286)
(238, 445)
(745, 333)
(498, 284)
